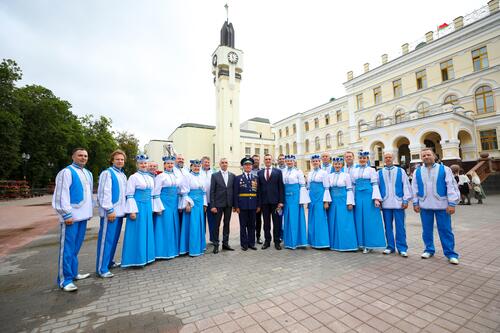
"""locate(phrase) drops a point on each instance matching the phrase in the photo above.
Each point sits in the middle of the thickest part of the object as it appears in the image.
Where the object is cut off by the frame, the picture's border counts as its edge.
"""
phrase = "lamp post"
(26, 157)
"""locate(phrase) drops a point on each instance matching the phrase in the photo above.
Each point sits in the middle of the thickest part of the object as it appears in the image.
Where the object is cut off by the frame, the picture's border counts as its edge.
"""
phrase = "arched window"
(379, 121)
(361, 127)
(294, 147)
(281, 149)
(340, 139)
(287, 149)
(317, 145)
(423, 109)
(484, 100)
(451, 99)
(316, 123)
(328, 140)
(306, 126)
(398, 116)
(307, 145)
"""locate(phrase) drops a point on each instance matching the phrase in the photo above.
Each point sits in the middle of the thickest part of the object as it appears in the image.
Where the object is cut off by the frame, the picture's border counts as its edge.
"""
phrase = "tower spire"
(227, 12)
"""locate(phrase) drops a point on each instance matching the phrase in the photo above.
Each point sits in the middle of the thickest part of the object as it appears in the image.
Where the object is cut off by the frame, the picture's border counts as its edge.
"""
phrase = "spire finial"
(227, 12)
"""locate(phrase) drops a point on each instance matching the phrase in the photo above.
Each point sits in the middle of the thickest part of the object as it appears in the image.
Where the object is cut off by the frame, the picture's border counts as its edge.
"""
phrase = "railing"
(485, 167)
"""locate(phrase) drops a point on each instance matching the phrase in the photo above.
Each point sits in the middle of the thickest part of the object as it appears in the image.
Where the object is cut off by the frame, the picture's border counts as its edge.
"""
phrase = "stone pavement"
(268, 291)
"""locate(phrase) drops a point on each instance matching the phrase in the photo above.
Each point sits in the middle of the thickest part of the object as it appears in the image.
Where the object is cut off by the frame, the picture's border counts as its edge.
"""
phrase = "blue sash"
(440, 182)
(363, 184)
(399, 183)
(115, 187)
(142, 195)
(76, 188)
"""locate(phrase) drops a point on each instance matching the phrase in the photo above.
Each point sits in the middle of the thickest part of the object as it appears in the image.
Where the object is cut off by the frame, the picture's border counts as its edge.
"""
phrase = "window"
(280, 133)
(327, 119)
(294, 129)
(423, 109)
(248, 151)
(379, 121)
(287, 149)
(397, 88)
(421, 79)
(308, 166)
(257, 151)
(266, 151)
(339, 115)
(484, 100)
(307, 145)
(447, 72)
(328, 140)
(480, 59)
(398, 117)
(340, 139)
(306, 126)
(294, 147)
(361, 126)
(359, 101)
(281, 149)
(286, 131)
(451, 99)
(377, 95)
(316, 123)
(489, 139)
(317, 145)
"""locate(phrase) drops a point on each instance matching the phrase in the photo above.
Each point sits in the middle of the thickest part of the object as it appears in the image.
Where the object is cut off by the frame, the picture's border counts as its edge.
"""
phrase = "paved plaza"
(256, 291)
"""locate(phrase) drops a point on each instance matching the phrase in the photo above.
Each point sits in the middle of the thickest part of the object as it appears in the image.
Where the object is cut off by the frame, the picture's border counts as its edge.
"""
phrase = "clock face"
(214, 60)
(232, 57)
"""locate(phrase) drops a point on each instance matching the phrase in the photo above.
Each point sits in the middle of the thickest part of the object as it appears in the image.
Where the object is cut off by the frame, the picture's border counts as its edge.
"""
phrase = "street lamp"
(26, 157)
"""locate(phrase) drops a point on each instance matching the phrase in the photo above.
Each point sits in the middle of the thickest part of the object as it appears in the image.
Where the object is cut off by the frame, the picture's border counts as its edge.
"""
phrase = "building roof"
(196, 126)
(260, 120)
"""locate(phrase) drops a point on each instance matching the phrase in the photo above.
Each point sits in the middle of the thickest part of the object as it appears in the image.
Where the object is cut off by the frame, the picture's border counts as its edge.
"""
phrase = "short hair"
(349, 152)
(77, 149)
(117, 152)
(268, 155)
(205, 158)
(281, 155)
(255, 155)
(455, 168)
(222, 159)
(388, 152)
(428, 149)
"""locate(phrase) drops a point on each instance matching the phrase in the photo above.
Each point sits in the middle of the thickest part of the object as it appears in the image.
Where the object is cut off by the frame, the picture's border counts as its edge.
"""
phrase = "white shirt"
(366, 172)
(225, 176)
(139, 180)
(391, 201)
(207, 177)
(320, 176)
(61, 200)
(192, 182)
(296, 176)
(342, 179)
(164, 179)
(104, 193)
(431, 200)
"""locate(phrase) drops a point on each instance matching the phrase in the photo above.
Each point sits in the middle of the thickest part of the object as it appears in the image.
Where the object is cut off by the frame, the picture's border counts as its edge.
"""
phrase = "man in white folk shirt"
(395, 191)
(435, 194)
(206, 173)
(326, 162)
(72, 201)
(180, 172)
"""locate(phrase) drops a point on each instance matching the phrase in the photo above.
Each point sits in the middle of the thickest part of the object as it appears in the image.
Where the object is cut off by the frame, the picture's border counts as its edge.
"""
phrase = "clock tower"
(227, 66)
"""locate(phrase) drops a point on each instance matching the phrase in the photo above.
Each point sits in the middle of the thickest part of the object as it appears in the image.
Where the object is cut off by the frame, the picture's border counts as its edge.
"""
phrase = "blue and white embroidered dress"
(294, 219)
(317, 220)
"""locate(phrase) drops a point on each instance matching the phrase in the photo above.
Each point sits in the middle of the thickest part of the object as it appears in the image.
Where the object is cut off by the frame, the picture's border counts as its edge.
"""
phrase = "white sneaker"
(387, 251)
(426, 255)
(365, 250)
(70, 287)
(403, 254)
(107, 275)
(116, 264)
(453, 261)
(82, 276)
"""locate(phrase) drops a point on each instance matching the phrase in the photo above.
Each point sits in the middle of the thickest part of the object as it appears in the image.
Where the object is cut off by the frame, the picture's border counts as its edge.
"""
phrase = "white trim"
(61, 254)
(103, 242)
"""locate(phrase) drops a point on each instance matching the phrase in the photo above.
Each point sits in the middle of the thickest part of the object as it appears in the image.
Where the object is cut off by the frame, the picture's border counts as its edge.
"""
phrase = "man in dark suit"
(271, 198)
(245, 203)
(221, 199)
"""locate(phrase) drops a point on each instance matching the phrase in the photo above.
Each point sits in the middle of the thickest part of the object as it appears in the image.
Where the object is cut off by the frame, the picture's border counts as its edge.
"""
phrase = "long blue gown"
(193, 226)
(342, 230)
(167, 225)
(294, 219)
(317, 218)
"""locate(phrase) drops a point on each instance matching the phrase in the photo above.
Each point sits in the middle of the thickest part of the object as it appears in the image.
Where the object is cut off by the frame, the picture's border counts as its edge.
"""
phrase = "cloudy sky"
(147, 64)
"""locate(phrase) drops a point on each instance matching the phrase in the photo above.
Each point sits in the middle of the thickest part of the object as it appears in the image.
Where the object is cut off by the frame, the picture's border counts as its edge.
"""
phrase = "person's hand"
(416, 209)
(404, 206)
(450, 210)
(237, 210)
(205, 209)
(234, 210)
(133, 216)
(111, 217)
(257, 210)
(213, 210)
(326, 205)
(349, 207)
(68, 221)
(377, 203)
(158, 213)
(188, 208)
(280, 205)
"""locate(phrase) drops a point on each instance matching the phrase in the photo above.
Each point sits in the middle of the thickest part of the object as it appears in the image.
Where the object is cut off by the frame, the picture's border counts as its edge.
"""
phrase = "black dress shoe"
(259, 241)
(265, 246)
(252, 247)
(244, 248)
(277, 246)
(216, 249)
(227, 248)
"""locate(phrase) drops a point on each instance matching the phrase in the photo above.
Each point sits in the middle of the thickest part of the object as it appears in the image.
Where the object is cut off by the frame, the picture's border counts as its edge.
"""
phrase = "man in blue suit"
(271, 198)
(246, 203)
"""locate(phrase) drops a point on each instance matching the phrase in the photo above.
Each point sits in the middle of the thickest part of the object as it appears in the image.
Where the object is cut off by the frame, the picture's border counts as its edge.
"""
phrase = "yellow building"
(439, 92)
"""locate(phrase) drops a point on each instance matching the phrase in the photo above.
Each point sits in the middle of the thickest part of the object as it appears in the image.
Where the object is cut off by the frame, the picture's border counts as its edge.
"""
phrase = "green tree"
(100, 142)
(10, 119)
(130, 145)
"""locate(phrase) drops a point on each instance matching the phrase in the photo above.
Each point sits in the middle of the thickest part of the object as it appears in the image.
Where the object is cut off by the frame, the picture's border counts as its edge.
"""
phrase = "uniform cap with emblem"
(246, 160)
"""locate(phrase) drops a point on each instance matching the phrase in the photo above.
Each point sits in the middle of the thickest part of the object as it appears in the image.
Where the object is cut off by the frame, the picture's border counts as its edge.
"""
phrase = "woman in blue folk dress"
(138, 242)
(296, 196)
(320, 196)
(194, 203)
(369, 226)
(342, 229)
(166, 221)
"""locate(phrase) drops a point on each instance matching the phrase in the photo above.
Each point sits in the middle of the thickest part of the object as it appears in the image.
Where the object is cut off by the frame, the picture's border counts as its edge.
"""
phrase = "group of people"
(466, 184)
(349, 207)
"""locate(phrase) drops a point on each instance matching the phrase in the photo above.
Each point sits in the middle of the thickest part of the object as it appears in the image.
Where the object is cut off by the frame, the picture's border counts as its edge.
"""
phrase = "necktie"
(224, 175)
(267, 174)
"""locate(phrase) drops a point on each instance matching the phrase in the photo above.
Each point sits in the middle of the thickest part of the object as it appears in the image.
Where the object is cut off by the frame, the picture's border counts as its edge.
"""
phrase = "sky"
(147, 64)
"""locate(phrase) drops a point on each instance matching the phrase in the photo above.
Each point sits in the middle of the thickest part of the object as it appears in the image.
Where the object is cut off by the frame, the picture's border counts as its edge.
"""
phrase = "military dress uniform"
(246, 199)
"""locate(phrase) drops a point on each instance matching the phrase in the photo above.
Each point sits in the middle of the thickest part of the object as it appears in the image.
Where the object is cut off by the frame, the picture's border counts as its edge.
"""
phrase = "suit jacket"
(271, 191)
(245, 192)
(221, 195)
